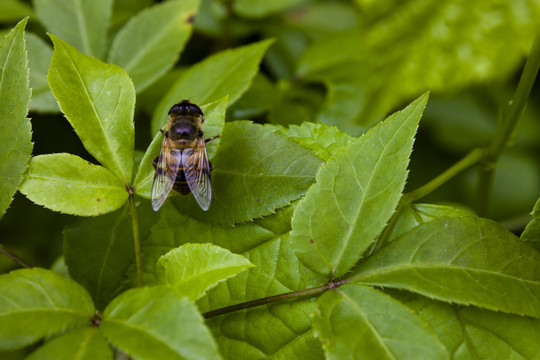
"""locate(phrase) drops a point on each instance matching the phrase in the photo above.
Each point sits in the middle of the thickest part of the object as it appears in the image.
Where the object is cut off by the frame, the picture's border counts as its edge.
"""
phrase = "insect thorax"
(185, 127)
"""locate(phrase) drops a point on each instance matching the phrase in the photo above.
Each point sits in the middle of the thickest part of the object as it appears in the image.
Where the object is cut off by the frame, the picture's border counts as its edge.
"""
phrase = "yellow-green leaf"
(71, 185)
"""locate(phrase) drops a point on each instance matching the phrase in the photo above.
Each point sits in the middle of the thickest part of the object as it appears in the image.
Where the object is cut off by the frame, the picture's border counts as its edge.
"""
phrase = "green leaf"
(320, 18)
(228, 73)
(16, 134)
(192, 269)
(123, 10)
(157, 323)
(472, 333)
(346, 98)
(465, 260)
(81, 23)
(531, 234)
(39, 59)
(357, 322)
(149, 98)
(98, 251)
(85, 343)
(164, 30)
(335, 64)
(261, 96)
(412, 216)
(261, 8)
(297, 104)
(277, 331)
(255, 172)
(59, 266)
(98, 100)
(36, 303)
(213, 125)
(13, 10)
(71, 185)
(325, 141)
(503, 336)
(355, 195)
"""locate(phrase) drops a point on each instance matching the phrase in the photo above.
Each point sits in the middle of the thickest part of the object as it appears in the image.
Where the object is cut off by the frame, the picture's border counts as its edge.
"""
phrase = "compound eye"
(194, 108)
(176, 108)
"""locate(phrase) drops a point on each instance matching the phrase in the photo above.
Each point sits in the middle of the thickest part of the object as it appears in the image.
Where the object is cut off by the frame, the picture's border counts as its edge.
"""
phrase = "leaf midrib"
(46, 309)
(82, 28)
(71, 181)
(367, 187)
(6, 60)
(380, 339)
(512, 346)
(81, 351)
(210, 274)
(408, 267)
(221, 81)
(100, 121)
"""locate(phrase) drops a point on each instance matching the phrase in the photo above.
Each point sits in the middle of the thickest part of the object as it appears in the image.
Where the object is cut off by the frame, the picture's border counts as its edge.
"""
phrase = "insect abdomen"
(180, 184)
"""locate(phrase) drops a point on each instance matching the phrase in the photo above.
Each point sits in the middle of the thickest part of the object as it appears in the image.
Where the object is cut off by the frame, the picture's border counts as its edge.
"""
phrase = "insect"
(182, 164)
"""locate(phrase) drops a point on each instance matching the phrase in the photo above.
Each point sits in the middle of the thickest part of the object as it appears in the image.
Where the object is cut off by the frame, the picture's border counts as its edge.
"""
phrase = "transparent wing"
(197, 171)
(167, 167)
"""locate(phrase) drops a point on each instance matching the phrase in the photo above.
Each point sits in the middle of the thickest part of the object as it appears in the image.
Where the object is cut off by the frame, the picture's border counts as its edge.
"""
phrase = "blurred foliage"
(342, 63)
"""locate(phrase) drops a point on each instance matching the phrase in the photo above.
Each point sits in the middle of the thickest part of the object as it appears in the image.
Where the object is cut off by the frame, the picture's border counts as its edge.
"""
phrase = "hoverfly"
(182, 164)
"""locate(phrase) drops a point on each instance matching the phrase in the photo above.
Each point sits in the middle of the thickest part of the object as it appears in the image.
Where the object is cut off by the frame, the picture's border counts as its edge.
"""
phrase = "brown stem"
(275, 298)
(14, 257)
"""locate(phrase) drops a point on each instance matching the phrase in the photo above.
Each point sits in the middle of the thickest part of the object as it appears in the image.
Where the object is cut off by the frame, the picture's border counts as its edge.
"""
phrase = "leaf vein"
(111, 151)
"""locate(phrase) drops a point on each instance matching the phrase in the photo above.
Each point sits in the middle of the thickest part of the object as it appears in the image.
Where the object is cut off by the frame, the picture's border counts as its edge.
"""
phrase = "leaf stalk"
(14, 257)
(470, 159)
(473, 157)
(136, 238)
(275, 298)
(507, 125)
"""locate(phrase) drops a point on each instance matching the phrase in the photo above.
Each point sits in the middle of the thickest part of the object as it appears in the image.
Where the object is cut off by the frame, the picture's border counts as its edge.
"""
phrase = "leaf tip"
(22, 23)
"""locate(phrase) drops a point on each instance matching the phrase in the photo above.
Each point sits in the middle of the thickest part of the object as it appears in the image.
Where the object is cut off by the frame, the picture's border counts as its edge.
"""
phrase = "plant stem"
(275, 298)
(518, 102)
(136, 239)
(485, 184)
(470, 159)
(14, 257)
(508, 123)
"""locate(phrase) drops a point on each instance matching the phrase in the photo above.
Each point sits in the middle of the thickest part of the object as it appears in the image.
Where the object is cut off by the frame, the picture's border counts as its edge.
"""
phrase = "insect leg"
(211, 138)
(154, 162)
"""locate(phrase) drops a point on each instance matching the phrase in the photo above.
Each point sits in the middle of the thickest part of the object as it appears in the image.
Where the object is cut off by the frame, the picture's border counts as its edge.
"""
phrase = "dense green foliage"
(335, 118)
